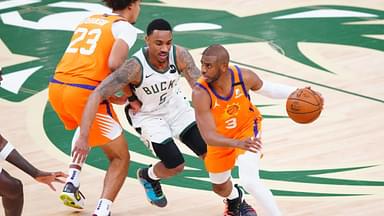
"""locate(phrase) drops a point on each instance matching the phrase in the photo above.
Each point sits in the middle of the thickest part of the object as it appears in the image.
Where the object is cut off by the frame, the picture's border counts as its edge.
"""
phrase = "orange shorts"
(69, 102)
(220, 159)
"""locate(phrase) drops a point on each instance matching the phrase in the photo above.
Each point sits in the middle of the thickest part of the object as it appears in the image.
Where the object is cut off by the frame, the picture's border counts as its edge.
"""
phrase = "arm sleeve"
(275, 90)
(125, 31)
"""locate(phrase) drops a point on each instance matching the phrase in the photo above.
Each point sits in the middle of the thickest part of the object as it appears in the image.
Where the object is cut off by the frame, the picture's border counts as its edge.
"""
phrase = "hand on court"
(49, 177)
(80, 151)
(251, 144)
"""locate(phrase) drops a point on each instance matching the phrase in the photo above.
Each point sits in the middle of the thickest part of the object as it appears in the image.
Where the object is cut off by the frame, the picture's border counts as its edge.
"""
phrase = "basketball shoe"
(238, 206)
(152, 188)
(72, 197)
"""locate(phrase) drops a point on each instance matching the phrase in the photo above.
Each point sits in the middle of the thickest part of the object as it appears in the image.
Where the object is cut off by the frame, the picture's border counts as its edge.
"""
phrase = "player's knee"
(178, 169)
(16, 186)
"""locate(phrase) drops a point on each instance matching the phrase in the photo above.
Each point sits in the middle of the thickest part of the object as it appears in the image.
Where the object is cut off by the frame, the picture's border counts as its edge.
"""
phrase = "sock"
(103, 207)
(234, 193)
(73, 177)
(151, 174)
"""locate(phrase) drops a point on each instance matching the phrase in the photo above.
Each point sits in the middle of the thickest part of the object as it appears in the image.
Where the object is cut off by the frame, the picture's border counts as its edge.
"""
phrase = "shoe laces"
(246, 208)
(155, 184)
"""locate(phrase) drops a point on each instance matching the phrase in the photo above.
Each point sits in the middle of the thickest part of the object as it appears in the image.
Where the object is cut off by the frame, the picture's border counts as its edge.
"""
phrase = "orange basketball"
(304, 105)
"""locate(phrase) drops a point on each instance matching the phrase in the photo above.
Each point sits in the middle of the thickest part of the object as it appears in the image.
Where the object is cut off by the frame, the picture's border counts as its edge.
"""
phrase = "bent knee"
(178, 169)
(16, 188)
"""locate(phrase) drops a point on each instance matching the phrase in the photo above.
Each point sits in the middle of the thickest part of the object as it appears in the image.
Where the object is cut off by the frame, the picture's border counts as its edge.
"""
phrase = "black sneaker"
(232, 207)
(246, 209)
(72, 197)
(152, 188)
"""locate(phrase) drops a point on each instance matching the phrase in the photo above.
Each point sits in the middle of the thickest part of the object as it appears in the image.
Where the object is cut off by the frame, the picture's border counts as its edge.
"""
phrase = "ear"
(146, 40)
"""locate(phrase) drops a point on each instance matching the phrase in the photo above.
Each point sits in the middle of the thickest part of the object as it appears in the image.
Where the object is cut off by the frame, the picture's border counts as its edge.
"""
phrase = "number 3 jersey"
(235, 117)
(85, 60)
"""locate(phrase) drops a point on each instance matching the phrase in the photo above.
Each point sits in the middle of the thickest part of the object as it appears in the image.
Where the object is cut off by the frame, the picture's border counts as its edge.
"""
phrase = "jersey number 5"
(84, 40)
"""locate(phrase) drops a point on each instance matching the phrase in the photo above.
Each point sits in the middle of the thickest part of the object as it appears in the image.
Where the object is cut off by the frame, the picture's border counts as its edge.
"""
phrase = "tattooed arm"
(186, 65)
(129, 72)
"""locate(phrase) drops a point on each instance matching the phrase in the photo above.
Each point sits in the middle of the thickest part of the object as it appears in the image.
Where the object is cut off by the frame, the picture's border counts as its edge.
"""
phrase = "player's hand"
(80, 151)
(135, 106)
(49, 177)
(251, 144)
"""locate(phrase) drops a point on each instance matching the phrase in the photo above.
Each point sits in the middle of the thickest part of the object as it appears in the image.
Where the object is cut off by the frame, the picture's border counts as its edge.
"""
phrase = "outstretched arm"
(10, 154)
(127, 73)
(187, 65)
(207, 127)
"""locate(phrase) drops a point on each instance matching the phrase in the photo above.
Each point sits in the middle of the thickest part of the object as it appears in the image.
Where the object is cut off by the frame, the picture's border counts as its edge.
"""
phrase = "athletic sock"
(103, 207)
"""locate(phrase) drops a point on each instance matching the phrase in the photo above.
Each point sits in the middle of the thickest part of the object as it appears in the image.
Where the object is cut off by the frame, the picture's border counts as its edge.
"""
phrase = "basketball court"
(333, 166)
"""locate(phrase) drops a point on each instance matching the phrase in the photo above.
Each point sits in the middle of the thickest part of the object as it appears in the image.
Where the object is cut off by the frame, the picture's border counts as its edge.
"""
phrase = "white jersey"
(156, 88)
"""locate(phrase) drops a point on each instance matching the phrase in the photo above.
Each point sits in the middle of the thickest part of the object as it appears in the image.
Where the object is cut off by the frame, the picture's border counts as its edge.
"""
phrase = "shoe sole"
(149, 200)
(69, 201)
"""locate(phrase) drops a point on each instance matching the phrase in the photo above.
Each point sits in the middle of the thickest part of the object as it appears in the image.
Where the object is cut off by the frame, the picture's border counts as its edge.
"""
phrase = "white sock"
(103, 207)
(73, 177)
(234, 193)
(151, 174)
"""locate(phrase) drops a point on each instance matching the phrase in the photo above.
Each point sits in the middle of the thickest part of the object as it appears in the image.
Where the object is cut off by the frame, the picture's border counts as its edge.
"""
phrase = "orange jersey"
(235, 117)
(85, 60)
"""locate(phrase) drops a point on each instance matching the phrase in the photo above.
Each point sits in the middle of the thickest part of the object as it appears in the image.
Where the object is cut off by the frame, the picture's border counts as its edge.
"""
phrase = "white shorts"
(168, 122)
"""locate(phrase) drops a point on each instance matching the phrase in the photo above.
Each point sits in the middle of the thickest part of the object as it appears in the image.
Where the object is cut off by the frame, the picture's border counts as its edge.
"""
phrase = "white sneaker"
(72, 197)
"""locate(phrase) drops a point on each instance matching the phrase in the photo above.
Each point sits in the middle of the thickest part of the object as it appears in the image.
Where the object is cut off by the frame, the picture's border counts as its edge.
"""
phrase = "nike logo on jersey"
(148, 75)
(173, 69)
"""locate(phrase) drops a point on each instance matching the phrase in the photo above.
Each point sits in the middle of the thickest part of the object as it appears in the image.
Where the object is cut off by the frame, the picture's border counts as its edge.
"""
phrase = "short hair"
(119, 4)
(158, 24)
(219, 51)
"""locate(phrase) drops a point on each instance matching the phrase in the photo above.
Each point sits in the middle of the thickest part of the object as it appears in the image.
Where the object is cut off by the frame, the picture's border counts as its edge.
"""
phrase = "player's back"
(85, 60)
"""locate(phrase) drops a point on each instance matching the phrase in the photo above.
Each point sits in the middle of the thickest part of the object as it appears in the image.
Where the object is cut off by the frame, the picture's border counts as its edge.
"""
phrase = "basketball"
(304, 106)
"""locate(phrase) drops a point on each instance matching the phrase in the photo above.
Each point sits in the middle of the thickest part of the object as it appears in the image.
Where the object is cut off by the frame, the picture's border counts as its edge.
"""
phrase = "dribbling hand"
(251, 144)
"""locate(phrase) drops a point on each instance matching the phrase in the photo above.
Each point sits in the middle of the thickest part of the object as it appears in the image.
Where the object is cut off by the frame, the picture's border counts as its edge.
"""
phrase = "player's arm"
(129, 72)
(10, 154)
(269, 89)
(187, 66)
(207, 127)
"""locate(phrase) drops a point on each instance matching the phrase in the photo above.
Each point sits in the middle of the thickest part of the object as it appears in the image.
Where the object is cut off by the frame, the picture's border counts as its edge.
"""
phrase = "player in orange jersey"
(99, 45)
(230, 124)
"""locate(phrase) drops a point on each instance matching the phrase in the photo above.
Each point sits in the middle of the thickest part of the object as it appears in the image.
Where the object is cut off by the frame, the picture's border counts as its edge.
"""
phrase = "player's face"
(135, 10)
(159, 43)
(209, 68)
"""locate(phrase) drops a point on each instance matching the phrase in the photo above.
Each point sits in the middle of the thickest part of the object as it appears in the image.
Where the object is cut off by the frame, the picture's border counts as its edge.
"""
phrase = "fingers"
(79, 155)
(51, 186)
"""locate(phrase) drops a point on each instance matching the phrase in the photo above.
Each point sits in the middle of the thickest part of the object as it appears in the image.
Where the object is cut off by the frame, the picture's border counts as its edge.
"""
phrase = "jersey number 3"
(85, 41)
(231, 123)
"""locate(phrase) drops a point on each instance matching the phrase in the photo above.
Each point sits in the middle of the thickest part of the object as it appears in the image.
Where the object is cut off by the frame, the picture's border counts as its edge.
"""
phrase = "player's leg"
(118, 155)
(68, 103)
(11, 191)
(107, 134)
(223, 186)
(191, 137)
(171, 163)
(248, 164)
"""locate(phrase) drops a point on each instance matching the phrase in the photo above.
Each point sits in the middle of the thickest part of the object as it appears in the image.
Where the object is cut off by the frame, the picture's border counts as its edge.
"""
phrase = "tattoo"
(128, 72)
(190, 70)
